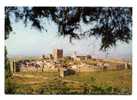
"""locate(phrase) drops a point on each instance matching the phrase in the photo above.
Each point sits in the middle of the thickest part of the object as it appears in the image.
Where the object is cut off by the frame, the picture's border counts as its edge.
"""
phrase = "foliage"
(7, 66)
(112, 24)
(10, 87)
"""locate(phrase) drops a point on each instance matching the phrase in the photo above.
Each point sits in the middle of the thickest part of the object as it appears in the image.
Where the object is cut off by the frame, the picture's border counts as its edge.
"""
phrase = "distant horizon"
(93, 56)
(26, 41)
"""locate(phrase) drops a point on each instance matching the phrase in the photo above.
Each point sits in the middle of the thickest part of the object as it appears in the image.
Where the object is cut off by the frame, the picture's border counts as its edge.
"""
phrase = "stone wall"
(52, 66)
(37, 66)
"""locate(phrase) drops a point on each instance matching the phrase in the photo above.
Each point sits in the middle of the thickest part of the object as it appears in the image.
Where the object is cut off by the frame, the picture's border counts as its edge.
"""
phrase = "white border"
(106, 3)
(68, 2)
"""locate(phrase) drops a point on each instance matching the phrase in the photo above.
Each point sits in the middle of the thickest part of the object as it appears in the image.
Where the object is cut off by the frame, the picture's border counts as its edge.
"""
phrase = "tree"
(111, 24)
(7, 65)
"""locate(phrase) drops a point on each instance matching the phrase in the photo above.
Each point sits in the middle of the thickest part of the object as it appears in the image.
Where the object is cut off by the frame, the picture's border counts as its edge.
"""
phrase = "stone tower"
(57, 54)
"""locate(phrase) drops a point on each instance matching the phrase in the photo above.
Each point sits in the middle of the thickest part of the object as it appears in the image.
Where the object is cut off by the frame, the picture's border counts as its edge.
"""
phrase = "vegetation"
(111, 24)
(108, 82)
(7, 67)
(9, 85)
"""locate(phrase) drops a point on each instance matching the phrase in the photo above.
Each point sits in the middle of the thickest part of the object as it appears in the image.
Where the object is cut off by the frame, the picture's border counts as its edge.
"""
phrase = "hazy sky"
(27, 41)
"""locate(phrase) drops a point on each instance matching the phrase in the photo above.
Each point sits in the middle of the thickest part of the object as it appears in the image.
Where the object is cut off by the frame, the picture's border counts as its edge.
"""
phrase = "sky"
(27, 41)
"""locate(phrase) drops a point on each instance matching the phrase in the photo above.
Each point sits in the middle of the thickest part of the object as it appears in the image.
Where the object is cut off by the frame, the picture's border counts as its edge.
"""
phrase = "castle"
(55, 63)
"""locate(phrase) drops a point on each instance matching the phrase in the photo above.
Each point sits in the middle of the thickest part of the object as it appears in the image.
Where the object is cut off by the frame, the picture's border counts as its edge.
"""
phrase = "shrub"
(10, 87)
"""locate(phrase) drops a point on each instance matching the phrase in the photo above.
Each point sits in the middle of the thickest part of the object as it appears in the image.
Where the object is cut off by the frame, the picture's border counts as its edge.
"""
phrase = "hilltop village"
(66, 65)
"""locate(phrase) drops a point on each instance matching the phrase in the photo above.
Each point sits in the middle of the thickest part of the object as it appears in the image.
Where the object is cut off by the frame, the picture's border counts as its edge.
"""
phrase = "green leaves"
(112, 24)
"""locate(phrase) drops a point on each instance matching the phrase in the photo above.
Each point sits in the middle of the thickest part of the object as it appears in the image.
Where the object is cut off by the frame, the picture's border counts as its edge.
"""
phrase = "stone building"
(57, 54)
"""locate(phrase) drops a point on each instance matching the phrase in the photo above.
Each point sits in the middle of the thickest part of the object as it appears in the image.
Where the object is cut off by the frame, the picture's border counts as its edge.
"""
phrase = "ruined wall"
(52, 66)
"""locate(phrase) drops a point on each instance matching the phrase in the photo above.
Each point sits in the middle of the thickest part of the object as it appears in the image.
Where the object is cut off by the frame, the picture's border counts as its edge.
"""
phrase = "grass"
(107, 82)
(119, 79)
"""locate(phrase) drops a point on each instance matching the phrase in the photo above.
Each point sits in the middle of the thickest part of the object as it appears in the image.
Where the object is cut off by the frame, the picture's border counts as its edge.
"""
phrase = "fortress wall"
(83, 67)
(38, 69)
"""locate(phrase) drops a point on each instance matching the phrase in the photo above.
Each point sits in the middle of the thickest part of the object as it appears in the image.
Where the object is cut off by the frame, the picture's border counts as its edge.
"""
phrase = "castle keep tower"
(57, 54)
